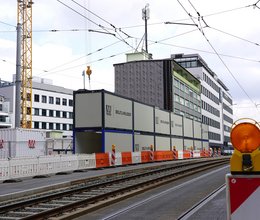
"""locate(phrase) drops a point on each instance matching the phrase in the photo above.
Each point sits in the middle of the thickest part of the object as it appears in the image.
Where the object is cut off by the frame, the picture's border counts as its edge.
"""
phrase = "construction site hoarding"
(162, 121)
(205, 145)
(162, 143)
(176, 125)
(143, 142)
(143, 117)
(87, 111)
(188, 144)
(188, 128)
(197, 145)
(123, 142)
(21, 142)
(197, 129)
(177, 143)
(118, 112)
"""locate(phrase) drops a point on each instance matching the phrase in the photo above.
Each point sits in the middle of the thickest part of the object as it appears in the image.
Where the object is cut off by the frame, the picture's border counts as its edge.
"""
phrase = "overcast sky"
(229, 28)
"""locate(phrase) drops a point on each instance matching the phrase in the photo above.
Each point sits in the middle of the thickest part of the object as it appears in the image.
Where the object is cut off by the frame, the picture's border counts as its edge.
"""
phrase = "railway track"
(90, 194)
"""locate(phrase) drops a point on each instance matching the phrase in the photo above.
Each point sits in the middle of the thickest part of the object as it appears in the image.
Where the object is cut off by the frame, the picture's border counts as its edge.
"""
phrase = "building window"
(57, 101)
(50, 125)
(36, 124)
(57, 126)
(43, 125)
(64, 114)
(44, 99)
(64, 102)
(70, 127)
(51, 113)
(70, 102)
(44, 112)
(64, 127)
(36, 111)
(36, 98)
(70, 115)
(51, 100)
(57, 114)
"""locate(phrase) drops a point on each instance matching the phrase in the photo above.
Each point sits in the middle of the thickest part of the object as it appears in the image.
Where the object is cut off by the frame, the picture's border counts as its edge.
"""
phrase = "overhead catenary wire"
(95, 23)
(2, 22)
(222, 61)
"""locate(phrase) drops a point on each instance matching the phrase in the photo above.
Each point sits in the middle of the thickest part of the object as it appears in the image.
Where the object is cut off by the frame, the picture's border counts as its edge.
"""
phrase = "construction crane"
(24, 19)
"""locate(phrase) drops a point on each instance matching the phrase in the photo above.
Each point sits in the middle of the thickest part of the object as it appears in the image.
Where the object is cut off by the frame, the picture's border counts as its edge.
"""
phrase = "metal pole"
(145, 22)
(84, 81)
(18, 78)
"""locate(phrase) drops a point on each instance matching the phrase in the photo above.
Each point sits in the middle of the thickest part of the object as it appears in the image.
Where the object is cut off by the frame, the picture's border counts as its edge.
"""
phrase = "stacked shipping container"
(102, 118)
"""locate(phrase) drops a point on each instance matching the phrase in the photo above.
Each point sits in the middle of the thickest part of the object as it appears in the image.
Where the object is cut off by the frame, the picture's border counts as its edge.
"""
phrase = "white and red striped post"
(175, 157)
(191, 152)
(219, 152)
(113, 155)
(151, 153)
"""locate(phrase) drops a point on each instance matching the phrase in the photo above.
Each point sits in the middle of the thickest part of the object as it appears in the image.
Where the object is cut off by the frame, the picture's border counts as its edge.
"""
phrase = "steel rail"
(122, 184)
(186, 215)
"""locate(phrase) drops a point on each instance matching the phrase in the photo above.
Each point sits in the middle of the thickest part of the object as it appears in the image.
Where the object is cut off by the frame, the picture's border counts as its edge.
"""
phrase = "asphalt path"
(172, 200)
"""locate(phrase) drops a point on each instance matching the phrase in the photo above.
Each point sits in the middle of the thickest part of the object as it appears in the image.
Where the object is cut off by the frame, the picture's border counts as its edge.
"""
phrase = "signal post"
(243, 183)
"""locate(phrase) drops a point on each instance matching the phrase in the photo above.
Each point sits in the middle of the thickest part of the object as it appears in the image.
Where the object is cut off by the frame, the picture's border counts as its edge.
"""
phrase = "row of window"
(227, 128)
(208, 94)
(210, 122)
(228, 119)
(58, 100)
(50, 113)
(227, 108)
(228, 99)
(210, 109)
(189, 64)
(210, 82)
(214, 136)
(187, 115)
(52, 126)
(186, 89)
(186, 103)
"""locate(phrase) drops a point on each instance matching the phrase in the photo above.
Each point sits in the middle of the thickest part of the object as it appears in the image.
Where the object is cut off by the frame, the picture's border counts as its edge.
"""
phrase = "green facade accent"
(194, 84)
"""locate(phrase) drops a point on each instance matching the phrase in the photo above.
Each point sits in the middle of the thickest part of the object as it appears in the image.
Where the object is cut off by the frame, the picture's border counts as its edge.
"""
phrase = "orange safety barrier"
(158, 156)
(145, 156)
(186, 154)
(102, 160)
(168, 155)
(126, 158)
(206, 153)
(202, 153)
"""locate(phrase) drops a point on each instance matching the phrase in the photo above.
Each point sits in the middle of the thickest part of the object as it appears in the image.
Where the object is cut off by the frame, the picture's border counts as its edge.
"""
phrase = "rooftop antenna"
(145, 17)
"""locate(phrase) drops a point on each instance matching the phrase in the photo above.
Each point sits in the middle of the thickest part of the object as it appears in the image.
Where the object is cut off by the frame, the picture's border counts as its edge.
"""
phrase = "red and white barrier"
(31, 166)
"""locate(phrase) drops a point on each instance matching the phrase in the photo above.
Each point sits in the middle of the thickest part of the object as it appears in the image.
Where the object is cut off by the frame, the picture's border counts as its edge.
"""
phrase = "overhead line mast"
(24, 8)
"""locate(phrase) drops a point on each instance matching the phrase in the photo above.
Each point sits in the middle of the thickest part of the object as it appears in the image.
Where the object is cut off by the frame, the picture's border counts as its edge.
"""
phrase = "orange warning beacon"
(245, 138)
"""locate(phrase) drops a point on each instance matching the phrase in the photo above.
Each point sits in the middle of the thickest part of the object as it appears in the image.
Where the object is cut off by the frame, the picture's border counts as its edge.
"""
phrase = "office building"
(52, 106)
(216, 101)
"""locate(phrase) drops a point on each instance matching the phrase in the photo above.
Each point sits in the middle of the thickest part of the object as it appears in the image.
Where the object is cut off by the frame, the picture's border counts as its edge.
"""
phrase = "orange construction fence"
(186, 154)
(163, 155)
(145, 157)
(102, 160)
(126, 158)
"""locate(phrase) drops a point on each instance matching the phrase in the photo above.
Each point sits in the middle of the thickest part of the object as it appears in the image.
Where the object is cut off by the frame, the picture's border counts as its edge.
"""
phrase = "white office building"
(216, 101)
(5, 117)
(52, 106)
